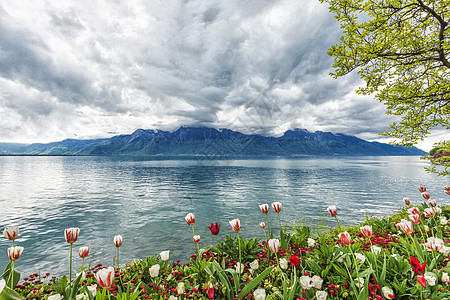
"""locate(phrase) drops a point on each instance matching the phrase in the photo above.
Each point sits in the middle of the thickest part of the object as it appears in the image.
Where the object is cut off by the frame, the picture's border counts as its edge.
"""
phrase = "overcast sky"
(88, 69)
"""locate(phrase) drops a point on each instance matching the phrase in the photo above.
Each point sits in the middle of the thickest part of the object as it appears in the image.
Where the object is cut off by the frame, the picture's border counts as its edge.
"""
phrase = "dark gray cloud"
(87, 68)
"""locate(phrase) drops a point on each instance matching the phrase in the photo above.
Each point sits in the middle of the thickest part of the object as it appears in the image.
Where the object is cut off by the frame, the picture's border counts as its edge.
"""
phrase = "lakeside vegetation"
(401, 256)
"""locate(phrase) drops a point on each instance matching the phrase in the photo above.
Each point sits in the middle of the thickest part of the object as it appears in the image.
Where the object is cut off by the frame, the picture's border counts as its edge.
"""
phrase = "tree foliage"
(401, 49)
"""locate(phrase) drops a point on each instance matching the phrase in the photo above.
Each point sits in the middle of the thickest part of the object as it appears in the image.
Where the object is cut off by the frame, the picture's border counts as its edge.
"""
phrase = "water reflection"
(146, 200)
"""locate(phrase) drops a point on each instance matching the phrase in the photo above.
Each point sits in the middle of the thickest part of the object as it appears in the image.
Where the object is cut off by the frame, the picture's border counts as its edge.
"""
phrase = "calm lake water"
(146, 200)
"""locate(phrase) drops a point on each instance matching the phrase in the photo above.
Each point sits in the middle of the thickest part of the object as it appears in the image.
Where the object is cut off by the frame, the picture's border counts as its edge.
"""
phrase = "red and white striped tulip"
(83, 252)
(413, 210)
(405, 226)
(196, 238)
(447, 189)
(11, 232)
(71, 234)
(366, 231)
(426, 195)
(118, 240)
(14, 252)
(264, 208)
(262, 225)
(406, 200)
(274, 245)
(422, 189)
(345, 238)
(235, 225)
(435, 244)
(332, 210)
(429, 212)
(432, 202)
(105, 277)
(415, 218)
(276, 207)
(190, 219)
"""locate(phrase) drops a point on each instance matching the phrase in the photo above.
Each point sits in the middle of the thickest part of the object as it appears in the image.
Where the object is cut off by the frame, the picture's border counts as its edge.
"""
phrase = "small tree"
(401, 49)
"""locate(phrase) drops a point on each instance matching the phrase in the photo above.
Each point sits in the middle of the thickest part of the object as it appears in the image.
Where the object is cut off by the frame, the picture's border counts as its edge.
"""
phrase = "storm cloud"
(95, 68)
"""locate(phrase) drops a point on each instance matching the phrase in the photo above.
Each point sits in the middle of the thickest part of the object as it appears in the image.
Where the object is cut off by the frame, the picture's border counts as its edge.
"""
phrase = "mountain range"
(211, 142)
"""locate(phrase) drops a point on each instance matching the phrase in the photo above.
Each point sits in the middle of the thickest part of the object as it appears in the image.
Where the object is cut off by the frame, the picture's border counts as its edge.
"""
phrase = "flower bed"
(403, 256)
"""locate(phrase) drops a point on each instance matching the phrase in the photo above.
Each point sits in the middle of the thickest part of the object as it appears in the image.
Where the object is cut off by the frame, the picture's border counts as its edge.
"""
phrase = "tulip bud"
(235, 225)
(276, 207)
(283, 263)
(426, 195)
(407, 201)
(422, 189)
(422, 281)
(274, 245)
(260, 294)
(11, 233)
(214, 228)
(71, 234)
(262, 225)
(180, 288)
(413, 210)
(154, 270)
(165, 255)
(345, 238)
(311, 242)
(366, 230)
(14, 252)
(196, 238)
(105, 277)
(429, 212)
(211, 291)
(447, 187)
(264, 208)
(118, 241)
(388, 293)
(406, 226)
(83, 252)
(415, 218)
(190, 219)
(332, 210)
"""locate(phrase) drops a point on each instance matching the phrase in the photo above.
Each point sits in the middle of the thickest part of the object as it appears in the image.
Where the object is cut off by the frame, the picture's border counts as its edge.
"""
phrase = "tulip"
(431, 279)
(214, 228)
(83, 253)
(283, 263)
(180, 288)
(345, 238)
(426, 195)
(295, 261)
(2, 284)
(413, 210)
(190, 219)
(366, 230)
(118, 242)
(317, 282)
(196, 238)
(445, 278)
(415, 218)
(406, 200)
(239, 268)
(276, 207)
(376, 249)
(406, 226)
(254, 265)
(429, 212)
(260, 294)
(105, 277)
(235, 225)
(165, 255)
(154, 270)
(55, 297)
(11, 233)
(306, 282)
(311, 242)
(432, 202)
(443, 220)
(321, 295)
(422, 281)
(447, 189)
(387, 292)
(274, 245)
(434, 243)
(418, 269)
(211, 291)
(71, 236)
(262, 225)
(361, 257)
(332, 210)
(14, 252)
(264, 208)
(422, 189)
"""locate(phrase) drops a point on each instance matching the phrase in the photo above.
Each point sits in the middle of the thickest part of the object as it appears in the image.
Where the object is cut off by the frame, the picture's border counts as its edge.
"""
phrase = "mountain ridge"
(213, 142)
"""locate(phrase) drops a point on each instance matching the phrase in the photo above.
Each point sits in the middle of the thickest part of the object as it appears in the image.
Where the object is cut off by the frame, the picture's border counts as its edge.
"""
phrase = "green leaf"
(9, 294)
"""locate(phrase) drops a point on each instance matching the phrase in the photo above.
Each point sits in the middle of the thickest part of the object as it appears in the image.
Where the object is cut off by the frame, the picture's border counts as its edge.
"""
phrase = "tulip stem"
(70, 270)
(117, 257)
(339, 224)
(267, 244)
(240, 260)
(12, 275)
(195, 244)
(268, 226)
(82, 264)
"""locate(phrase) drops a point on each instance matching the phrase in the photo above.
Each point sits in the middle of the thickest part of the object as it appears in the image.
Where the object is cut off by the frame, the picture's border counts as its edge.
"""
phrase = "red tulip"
(422, 281)
(418, 269)
(295, 261)
(235, 225)
(118, 241)
(447, 188)
(264, 208)
(190, 219)
(345, 238)
(196, 238)
(105, 277)
(332, 210)
(71, 234)
(14, 252)
(214, 228)
(276, 207)
(426, 195)
(422, 189)
(83, 252)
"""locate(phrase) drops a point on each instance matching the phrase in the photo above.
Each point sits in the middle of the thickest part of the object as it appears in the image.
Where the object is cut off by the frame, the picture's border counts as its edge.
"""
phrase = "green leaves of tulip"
(7, 275)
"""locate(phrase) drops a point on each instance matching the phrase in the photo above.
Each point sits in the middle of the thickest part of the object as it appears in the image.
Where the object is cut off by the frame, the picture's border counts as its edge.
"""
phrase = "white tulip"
(55, 297)
(376, 249)
(254, 265)
(317, 281)
(154, 270)
(259, 294)
(283, 263)
(361, 257)
(311, 242)
(431, 279)
(180, 288)
(387, 291)
(306, 282)
(445, 277)
(164, 255)
(239, 268)
(321, 295)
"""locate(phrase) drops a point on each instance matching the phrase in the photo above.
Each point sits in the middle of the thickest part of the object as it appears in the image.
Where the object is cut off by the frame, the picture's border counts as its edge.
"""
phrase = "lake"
(146, 199)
